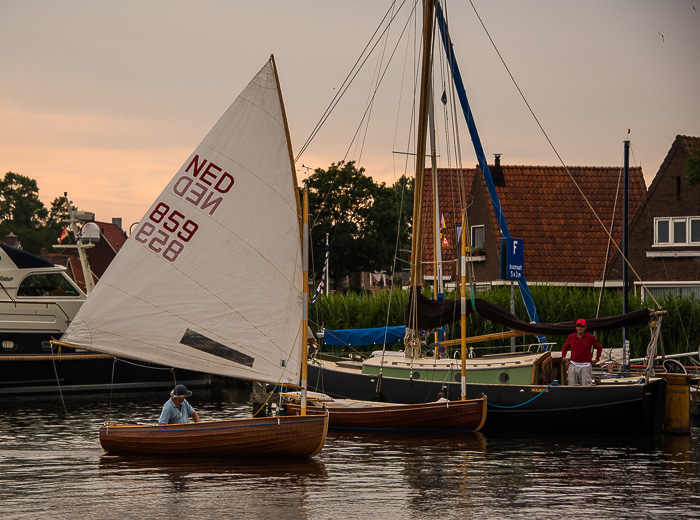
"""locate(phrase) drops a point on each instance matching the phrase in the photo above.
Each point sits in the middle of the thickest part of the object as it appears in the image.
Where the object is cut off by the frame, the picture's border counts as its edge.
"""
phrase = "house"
(561, 215)
(664, 239)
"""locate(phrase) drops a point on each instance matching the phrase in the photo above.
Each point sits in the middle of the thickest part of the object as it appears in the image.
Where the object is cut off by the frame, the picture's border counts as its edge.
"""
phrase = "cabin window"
(9, 345)
(477, 237)
(46, 285)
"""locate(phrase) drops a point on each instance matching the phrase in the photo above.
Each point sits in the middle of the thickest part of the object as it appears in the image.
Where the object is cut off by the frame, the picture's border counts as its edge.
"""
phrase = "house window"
(676, 231)
(662, 231)
(477, 237)
(679, 235)
(694, 230)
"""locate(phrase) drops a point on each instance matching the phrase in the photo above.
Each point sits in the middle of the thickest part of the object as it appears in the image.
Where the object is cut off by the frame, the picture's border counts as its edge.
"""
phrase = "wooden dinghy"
(278, 436)
(467, 415)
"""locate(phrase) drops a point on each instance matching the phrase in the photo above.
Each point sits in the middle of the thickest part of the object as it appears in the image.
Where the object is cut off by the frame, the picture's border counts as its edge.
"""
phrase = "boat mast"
(625, 254)
(305, 299)
(423, 107)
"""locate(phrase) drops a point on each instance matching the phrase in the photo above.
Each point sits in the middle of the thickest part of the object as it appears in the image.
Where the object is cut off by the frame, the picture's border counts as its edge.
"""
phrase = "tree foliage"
(361, 218)
(691, 169)
(23, 214)
(19, 202)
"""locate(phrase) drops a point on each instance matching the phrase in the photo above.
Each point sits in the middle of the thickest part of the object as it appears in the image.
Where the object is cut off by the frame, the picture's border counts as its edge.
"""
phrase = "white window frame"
(684, 241)
(471, 237)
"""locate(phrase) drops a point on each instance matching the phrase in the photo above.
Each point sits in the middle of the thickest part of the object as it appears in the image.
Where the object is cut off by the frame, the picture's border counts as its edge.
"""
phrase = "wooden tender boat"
(369, 415)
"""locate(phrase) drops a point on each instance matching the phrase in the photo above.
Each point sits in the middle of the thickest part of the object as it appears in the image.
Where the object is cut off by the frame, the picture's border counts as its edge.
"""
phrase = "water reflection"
(51, 465)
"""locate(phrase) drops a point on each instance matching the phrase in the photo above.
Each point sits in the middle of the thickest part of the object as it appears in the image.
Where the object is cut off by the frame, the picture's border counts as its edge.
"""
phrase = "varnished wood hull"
(278, 436)
(446, 415)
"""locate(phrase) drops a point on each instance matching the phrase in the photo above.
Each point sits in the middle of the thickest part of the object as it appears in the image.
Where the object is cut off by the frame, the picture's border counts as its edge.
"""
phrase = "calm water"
(52, 466)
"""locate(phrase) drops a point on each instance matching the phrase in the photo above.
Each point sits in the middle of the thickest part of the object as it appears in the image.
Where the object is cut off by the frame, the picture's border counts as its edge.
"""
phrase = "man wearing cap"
(177, 410)
(580, 343)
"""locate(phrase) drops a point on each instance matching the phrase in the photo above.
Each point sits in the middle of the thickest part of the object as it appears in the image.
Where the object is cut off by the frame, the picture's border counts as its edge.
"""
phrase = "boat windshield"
(47, 285)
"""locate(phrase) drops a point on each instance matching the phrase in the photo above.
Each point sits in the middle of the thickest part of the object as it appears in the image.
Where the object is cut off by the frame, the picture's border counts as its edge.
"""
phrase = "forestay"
(211, 279)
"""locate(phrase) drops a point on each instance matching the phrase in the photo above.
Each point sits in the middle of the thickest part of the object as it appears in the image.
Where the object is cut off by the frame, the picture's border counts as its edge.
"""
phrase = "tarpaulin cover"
(356, 337)
(433, 314)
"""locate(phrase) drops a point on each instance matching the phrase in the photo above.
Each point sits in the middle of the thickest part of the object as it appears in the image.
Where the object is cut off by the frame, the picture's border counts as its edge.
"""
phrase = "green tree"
(58, 212)
(23, 214)
(360, 217)
(19, 202)
(691, 169)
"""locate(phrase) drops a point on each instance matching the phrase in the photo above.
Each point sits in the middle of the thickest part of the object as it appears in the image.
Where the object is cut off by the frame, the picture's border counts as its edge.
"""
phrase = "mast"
(437, 223)
(423, 107)
(305, 299)
(625, 254)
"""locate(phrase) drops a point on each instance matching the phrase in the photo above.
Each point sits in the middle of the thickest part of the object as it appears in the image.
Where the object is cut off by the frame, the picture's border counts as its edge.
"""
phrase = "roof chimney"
(117, 221)
(497, 171)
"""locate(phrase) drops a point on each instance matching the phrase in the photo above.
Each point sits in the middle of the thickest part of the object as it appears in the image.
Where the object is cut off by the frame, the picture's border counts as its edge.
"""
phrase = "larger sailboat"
(525, 395)
(212, 279)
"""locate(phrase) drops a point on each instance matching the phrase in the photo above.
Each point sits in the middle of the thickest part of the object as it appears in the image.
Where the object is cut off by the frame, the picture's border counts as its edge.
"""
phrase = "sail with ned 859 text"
(211, 279)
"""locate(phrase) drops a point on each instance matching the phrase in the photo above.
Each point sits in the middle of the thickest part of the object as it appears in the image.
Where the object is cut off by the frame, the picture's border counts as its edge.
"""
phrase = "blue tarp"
(359, 337)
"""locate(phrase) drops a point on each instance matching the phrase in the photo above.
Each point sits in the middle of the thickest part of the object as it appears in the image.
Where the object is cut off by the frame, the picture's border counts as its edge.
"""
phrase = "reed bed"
(680, 330)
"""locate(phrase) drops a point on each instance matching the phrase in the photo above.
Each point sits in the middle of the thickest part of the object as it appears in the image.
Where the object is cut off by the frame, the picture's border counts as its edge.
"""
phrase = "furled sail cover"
(433, 314)
(211, 279)
(360, 337)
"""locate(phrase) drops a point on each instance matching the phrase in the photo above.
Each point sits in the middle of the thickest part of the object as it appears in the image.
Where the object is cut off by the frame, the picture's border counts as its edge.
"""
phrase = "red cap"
(581, 322)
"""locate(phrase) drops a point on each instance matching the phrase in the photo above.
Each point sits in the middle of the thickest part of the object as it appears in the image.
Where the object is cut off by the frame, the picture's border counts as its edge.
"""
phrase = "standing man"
(176, 410)
(580, 343)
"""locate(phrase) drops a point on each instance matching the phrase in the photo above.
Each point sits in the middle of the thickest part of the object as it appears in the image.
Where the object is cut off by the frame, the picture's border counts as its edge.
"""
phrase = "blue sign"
(512, 258)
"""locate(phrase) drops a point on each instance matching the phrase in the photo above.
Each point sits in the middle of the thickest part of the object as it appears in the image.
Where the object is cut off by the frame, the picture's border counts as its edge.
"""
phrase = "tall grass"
(680, 328)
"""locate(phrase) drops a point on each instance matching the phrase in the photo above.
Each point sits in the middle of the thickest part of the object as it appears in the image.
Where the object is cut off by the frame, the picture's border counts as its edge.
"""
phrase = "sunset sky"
(106, 100)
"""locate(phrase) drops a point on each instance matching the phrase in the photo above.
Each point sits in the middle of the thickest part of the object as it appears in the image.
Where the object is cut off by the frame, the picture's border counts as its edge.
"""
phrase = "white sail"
(211, 279)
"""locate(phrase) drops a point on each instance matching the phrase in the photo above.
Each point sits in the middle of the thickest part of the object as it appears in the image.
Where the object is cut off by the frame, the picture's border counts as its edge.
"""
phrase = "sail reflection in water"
(51, 465)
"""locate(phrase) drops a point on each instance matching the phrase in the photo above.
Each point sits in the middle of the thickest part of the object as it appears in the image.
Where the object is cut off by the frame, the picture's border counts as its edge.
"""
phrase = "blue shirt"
(173, 415)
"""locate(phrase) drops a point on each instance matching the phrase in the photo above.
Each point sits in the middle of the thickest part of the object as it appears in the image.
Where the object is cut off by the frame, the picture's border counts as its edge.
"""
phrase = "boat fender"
(377, 396)
(443, 393)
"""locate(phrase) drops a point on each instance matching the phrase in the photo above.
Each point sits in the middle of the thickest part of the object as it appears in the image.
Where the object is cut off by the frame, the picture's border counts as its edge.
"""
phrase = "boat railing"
(45, 304)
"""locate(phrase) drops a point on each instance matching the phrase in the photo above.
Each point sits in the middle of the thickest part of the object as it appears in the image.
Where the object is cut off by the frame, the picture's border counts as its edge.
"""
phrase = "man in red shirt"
(580, 343)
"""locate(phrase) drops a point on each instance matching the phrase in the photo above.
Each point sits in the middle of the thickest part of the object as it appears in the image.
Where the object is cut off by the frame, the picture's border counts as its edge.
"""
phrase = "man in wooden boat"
(177, 410)
(581, 343)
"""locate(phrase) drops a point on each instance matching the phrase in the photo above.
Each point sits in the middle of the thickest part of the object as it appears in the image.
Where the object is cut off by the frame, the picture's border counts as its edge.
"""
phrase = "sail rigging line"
(370, 103)
(376, 81)
(556, 152)
(354, 71)
(607, 251)
(479, 150)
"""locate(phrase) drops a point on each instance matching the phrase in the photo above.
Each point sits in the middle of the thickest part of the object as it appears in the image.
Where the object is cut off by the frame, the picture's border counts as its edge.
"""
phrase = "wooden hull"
(278, 436)
(446, 415)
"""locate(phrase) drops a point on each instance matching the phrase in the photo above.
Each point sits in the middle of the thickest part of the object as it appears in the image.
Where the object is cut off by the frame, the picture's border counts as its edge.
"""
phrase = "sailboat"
(212, 280)
(525, 395)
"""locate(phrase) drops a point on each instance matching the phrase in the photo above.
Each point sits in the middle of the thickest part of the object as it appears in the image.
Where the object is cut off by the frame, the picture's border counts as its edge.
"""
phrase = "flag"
(323, 277)
(443, 232)
(64, 234)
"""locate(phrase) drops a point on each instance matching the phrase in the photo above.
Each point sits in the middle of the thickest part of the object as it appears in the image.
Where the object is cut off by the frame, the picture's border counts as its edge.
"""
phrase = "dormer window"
(676, 231)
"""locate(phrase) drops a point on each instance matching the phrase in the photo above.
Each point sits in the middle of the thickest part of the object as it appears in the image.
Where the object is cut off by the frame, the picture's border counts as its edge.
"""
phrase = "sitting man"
(177, 410)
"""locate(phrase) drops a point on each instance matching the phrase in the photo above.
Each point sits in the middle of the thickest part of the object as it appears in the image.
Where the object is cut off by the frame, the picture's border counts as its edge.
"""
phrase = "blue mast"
(478, 149)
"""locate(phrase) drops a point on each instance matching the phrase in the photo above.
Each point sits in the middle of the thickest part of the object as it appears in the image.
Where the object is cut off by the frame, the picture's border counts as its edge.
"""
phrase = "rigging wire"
(556, 152)
(354, 71)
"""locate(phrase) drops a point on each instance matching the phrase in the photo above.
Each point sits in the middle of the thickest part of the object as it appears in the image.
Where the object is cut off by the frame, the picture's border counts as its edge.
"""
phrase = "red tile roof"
(113, 234)
(564, 242)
